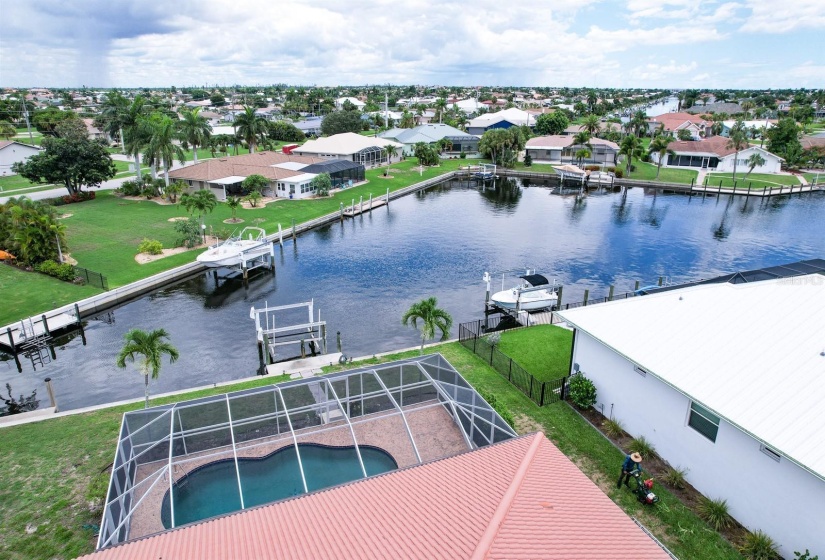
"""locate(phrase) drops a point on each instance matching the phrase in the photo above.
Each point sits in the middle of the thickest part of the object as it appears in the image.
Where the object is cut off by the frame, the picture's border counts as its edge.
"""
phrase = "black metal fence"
(91, 277)
(540, 392)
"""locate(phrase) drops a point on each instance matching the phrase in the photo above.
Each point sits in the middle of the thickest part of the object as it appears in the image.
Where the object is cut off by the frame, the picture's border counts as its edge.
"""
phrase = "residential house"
(561, 149)
(339, 103)
(711, 108)
(672, 123)
(365, 150)
(730, 395)
(751, 127)
(311, 126)
(12, 152)
(501, 119)
(714, 154)
(94, 132)
(429, 134)
(290, 176)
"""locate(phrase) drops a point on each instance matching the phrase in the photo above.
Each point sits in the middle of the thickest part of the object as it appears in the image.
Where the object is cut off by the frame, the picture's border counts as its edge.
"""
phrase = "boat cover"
(535, 279)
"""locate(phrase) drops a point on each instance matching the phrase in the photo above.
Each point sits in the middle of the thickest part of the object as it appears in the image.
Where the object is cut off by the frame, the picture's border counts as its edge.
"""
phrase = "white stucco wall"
(780, 498)
(14, 153)
(772, 162)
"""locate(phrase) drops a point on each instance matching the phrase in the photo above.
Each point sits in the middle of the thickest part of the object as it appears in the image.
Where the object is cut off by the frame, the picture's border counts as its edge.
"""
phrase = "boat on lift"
(533, 293)
(249, 244)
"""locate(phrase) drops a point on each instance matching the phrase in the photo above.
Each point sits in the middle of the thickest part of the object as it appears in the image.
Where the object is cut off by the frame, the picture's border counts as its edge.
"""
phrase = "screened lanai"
(405, 413)
(373, 155)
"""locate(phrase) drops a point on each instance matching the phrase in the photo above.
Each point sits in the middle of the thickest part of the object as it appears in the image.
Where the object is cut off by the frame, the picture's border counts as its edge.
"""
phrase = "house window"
(703, 421)
(770, 452)
(640, 371)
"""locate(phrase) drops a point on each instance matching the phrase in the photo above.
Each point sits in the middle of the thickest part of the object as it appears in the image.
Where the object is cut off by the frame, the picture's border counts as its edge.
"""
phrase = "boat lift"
(250, 261)
(518, 314)
(311, 335)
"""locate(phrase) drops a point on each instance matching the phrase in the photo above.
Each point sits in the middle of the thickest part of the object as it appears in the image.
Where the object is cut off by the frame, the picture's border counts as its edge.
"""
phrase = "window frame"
(704, 415)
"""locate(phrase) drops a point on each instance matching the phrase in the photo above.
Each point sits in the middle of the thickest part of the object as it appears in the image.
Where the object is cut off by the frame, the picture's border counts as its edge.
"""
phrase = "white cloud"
(663, 73)
(768, 16)
(623, 39)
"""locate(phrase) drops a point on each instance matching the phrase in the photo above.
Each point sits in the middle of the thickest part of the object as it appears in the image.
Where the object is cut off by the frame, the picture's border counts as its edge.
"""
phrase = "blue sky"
(607, 43)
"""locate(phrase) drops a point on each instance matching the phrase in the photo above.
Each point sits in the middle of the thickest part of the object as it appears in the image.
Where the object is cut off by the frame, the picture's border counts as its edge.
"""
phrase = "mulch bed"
(656, 467)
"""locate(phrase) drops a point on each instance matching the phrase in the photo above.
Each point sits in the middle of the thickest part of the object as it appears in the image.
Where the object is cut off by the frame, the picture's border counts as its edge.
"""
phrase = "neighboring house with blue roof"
(430, 134)
(500, 119)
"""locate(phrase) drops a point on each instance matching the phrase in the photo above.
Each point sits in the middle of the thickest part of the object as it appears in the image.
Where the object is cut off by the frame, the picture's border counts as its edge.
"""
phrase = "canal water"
(363, 274)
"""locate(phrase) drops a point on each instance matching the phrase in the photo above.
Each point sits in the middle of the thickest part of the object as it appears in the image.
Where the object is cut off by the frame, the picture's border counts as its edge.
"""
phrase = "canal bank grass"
(55, 473)
(29, 293)
(647, 172)
(755, 180)
(542, 350)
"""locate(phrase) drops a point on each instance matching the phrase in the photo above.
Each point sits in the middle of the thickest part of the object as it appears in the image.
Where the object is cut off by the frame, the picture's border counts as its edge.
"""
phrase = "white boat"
(600, 178)
(251, 243)
(534, 293)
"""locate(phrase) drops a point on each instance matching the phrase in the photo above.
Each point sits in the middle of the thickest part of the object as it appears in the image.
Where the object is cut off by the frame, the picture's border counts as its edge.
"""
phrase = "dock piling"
(293, 229)
(45, 325)
(636, 286)
(661, 279)
(338, 341)
(388, 196)
(586, 294)
(11, 341)
(50, 390)
(610, 294)
(303, 349)
(558, 301)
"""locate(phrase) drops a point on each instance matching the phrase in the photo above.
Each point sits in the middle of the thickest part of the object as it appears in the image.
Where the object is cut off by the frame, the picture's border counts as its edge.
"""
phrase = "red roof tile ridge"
(489, 536)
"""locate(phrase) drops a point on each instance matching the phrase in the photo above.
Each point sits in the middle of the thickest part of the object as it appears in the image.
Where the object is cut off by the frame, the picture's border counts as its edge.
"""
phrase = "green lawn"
(28, 293)
(811, 177)
(543, 350)
(14, 182)
(756, 180)
(52, 470)
(647, 172)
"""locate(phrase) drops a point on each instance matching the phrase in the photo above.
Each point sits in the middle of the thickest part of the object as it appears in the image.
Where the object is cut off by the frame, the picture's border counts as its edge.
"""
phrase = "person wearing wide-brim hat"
(631, 463)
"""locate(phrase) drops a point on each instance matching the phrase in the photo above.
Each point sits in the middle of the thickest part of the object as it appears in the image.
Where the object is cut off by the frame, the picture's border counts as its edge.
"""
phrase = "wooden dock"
(356, 209)
(35, 327)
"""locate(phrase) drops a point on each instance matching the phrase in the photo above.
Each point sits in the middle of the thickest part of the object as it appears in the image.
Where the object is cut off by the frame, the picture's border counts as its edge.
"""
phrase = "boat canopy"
(535, 279)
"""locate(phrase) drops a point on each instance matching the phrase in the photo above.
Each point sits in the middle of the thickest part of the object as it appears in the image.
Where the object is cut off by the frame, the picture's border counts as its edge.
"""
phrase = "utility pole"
(26, 114)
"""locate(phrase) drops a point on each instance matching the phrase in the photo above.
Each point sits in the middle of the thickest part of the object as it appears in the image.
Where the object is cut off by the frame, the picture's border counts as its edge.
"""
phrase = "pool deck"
(436, 436)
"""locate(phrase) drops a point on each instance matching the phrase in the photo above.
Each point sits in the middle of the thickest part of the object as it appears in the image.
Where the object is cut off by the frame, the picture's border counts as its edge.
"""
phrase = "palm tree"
(195, 129)
(737, 141)
(161, 134)
(150, 347)
(250, 127)
(134, 137)
(431, 317)
(631, 147)
(391, 152)
(407, 120)
(113, 113)
(755, 160)
(582, 138)
(591, 124)
(7, 130)
(659, 145)
(582, 154)
(639, 122)
(233, 202)
(202, 201)
(440, 107)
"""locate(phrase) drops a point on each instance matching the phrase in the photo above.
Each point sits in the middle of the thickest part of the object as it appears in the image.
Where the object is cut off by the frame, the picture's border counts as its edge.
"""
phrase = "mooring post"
(45, 325)
(77, 312)
(11, 341)
(361, 205)
(323, 339)
(338, 340)
(280, 235)
(261, 364)
(50, 390)
(342, 211)
(636, 287)
(303, 349)
(558, 301)
(293, 229)
(388, 196)
(660, 280)
(610, 294)
(370, 202)
(586, 293)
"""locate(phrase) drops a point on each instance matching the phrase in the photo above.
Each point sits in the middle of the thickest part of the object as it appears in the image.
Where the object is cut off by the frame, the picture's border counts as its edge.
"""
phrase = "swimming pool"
(212, 489)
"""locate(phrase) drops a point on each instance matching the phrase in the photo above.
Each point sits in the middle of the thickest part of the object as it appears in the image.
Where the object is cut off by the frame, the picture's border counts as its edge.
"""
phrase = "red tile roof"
(519, 499)
(674, 121)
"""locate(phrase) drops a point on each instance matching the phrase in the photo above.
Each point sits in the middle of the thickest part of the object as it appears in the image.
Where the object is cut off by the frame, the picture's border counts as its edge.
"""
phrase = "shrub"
(150, 246)
(675, 478)
(714, 512)
(498, 407)
(462, 155)
(613, 428)
(322, 184)
(643, 447)
(528, 160)
(63, 271)
(582, 391)
(592, 167)
(619, 173)
(804, 556)
(190, 231)
(131, 188)
(759, 546)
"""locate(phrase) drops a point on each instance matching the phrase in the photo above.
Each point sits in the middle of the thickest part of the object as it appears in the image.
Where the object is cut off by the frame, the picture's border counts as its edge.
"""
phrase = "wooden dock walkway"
(355, 210)
(19, 333)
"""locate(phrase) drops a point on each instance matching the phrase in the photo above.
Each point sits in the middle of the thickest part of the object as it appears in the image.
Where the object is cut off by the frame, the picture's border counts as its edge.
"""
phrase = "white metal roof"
(291, 165)
(229, 180)
(346, 143)
(752, 353)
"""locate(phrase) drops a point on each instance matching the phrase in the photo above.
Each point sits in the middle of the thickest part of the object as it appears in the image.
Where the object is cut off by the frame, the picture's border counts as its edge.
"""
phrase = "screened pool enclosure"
(411, 411)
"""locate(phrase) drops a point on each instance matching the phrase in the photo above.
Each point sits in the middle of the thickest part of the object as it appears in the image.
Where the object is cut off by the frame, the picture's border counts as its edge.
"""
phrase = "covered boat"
(532, 294)
(250, 244)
